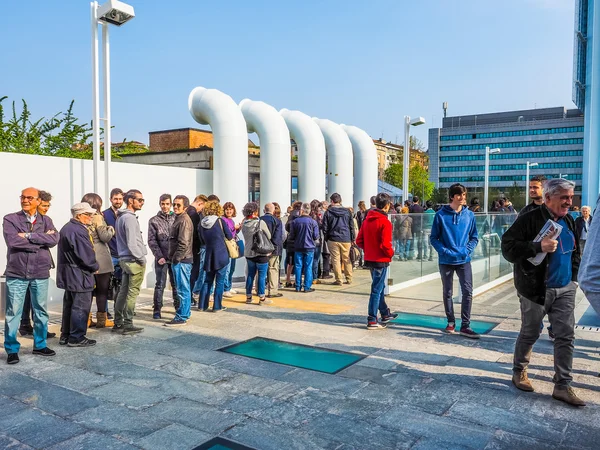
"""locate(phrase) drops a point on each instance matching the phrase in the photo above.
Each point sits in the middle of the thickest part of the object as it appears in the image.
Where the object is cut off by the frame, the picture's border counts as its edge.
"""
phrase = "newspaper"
(550, 230)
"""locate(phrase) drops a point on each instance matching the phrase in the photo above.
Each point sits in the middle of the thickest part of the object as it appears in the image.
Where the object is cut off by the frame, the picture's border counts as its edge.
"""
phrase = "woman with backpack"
(255, 231)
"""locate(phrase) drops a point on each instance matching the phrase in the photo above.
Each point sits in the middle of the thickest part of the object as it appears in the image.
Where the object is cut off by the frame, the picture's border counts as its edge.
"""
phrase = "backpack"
(354, 255)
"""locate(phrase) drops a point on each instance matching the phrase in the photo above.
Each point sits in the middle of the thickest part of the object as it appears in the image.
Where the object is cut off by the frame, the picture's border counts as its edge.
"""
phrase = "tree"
(418, 182)
(517, 196)
(393, 175)
(439, 196)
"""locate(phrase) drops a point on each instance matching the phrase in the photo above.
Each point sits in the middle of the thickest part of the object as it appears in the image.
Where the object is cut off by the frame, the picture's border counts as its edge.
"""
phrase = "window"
(511, 144)
(460, 137)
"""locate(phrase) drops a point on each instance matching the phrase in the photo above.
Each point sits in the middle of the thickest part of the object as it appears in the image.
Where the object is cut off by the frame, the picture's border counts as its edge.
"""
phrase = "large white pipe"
(311, 154)
(275, 151)
(339, 160)
(365, 164)
(230, 143)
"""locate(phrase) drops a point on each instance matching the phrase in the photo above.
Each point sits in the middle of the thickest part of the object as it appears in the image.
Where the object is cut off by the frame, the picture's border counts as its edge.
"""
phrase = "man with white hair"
(582, 226)
(548, 288)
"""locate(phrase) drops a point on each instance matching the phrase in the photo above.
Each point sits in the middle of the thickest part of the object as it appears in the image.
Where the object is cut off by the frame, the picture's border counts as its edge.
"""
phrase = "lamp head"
(533, 164)
(115, 12)
(494, 150)
(417, 121)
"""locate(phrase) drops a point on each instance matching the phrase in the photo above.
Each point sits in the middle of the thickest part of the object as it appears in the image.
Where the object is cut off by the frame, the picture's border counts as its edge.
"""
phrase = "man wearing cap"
(75, 274)
(29, 237)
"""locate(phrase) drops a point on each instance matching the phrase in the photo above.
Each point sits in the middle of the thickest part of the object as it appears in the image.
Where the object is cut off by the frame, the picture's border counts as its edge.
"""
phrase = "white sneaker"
(196, 297)
(212, 298)
(233, 291)
(227, 294)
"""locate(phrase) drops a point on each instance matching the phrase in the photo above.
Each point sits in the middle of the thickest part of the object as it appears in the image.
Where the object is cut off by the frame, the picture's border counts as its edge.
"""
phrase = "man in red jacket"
(375, 238)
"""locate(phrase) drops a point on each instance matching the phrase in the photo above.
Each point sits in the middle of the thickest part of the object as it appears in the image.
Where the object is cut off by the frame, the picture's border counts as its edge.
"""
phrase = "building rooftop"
(524, 115)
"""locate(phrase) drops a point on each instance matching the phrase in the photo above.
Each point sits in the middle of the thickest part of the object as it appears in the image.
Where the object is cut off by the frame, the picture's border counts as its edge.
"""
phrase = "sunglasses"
(141, 200)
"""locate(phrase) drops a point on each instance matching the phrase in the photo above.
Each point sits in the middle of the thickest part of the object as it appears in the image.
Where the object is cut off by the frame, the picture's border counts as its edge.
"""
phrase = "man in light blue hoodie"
(454, 237)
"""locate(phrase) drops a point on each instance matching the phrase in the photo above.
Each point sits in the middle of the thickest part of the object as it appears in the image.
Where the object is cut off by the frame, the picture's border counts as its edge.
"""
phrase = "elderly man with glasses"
(132, 259)
(548, 288)
(29, 237)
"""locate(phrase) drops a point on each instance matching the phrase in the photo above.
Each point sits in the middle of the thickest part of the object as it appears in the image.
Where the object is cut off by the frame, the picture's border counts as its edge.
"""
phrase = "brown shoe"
(567, 394)
(91, 322)
(103, 321)
(521, 381)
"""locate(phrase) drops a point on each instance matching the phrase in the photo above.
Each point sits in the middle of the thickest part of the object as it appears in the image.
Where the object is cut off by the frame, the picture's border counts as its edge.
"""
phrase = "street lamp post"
(116, 13)
(486, 186)
(407, 124)
(529, 164)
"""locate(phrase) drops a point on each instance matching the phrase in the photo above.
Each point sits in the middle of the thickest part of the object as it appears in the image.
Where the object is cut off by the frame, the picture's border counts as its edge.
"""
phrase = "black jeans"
(27, 314)
(161, 283)
(465, 278)
(76, 309)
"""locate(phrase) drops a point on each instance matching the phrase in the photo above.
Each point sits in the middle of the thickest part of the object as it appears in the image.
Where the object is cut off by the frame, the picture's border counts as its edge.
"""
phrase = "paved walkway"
(416, 388)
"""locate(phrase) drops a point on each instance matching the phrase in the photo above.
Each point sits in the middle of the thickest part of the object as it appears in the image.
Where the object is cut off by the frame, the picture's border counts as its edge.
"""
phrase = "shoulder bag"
(232, 247)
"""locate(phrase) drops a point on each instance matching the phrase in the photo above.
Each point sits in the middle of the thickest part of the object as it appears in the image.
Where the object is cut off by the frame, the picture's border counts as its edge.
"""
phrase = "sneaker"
(275, 295)
(567, 394)
(551, 334)
(117, 328)
(227, 294)
(450, 328)
(249, 300)
(85, 342)
(175, 323)
(326, 277)
(309, 290)
(288, 284)
(265, 301)
(13, 358)
(376, 326)
(131, 329)
(43, 351)
(26, 331)
(64, 340)
(430, 258)
(233, 291)
(388, 317)
(223, 308)
(521, 381)
(50, 335)
(156, 315)
(468, 332)
(337, 283)
(348, 282)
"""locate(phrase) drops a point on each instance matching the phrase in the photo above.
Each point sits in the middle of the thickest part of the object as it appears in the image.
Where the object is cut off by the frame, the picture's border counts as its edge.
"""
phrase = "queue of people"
(196, 244)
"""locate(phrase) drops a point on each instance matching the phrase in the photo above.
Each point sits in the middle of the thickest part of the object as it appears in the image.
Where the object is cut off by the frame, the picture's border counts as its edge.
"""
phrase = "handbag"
(261, 244)
(240, 245)
(232, 247)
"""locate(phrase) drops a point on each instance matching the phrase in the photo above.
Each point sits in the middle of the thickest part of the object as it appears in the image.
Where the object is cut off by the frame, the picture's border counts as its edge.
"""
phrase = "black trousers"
(161, 282)
(76, 309)
(27, 313)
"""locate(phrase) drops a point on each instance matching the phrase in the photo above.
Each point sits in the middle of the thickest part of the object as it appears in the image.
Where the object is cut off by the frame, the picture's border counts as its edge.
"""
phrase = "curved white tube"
(230, 143)
(365, 164)
(275, 151)
(339, 160)
(311, 154)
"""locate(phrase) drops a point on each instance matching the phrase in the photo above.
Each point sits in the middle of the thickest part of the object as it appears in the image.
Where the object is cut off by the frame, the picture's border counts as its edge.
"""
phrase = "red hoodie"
(375, 237)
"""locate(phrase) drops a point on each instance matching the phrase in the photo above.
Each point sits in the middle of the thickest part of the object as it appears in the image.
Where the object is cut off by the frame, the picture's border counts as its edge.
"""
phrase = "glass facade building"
(551, 137)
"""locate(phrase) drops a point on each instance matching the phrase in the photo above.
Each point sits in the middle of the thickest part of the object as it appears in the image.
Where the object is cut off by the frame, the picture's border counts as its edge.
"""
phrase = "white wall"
(69, 179)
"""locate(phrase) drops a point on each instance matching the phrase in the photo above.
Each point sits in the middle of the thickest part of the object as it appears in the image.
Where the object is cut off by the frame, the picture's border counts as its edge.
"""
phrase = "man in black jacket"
(536, 194)
(338, 230)
(75, 274)
(276, 229)
(548, 288)
(159, 229)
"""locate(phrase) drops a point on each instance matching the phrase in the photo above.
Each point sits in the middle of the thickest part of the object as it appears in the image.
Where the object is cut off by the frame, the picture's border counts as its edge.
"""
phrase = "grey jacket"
(130, 244)
(249, 228)
(101, 235)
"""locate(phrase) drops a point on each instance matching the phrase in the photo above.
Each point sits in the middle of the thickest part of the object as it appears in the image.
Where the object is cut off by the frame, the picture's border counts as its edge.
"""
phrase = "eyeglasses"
(141, 200)
(28, 198)
(562, 249)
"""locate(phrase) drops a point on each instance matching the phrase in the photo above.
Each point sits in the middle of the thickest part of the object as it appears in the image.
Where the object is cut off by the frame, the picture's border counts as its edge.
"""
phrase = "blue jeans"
(315, 262)
(15, 297)
(253, 269)
(201, 273)
(181, 273)
(303, 264)
(377, 297)
(465, 278)
(229, 275)
(218, 277)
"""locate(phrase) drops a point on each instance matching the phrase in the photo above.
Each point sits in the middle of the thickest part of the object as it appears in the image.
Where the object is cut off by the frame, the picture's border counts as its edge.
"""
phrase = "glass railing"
(414, 256)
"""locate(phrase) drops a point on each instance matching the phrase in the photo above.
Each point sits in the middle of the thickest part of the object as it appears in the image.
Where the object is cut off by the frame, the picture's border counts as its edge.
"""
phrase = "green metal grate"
(295, 355)
(439, 323)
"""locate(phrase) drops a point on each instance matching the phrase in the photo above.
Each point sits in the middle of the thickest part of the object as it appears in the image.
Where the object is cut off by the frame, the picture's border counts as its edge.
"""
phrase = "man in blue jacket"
(454, 237)
(304, 232)
(29, 237)
(276, 229)
(75, 274)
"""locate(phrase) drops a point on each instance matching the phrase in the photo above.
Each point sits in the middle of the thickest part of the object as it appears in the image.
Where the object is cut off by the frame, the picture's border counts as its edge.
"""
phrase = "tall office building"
(550, 137)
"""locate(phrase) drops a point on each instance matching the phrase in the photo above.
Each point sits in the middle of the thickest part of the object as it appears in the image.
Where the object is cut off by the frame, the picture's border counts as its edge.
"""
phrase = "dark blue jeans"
(315, 263)
(465, 278)
(181, 273)
(303, 264)
(218, 277)
(377, 297)
(76, 309)
(260, 270)
(161, 282)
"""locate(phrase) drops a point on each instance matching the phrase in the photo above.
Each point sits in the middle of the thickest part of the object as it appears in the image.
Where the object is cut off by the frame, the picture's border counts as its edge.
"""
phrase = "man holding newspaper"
(544, 248)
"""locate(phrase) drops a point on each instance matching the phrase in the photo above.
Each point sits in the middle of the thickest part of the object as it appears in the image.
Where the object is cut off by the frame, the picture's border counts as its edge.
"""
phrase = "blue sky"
(363, 63)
